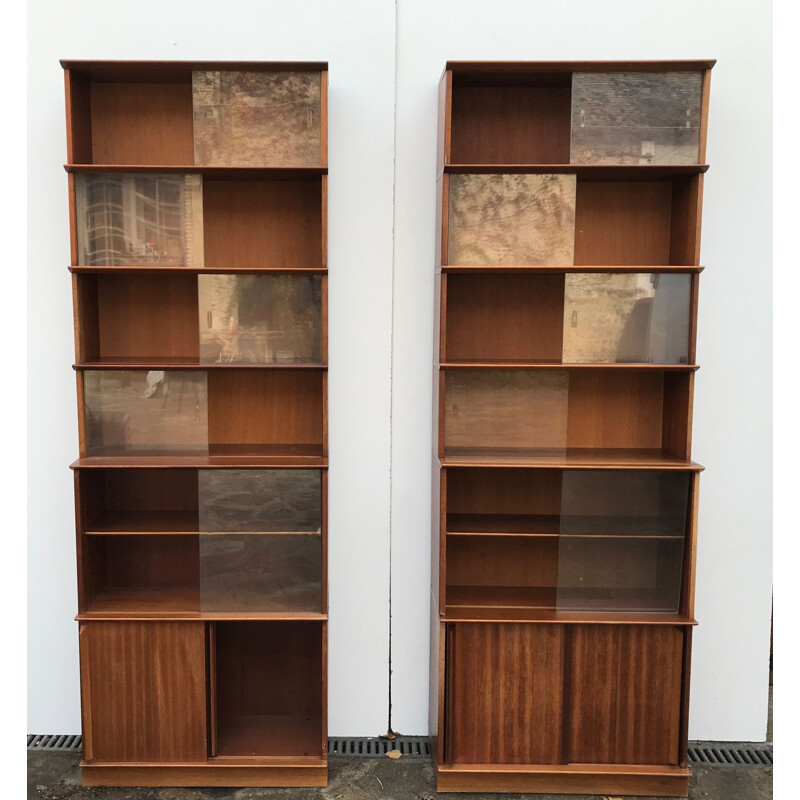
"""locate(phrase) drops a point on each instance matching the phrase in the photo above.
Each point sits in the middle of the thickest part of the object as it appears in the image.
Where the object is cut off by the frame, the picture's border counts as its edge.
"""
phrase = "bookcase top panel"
(168, 71)
(579, 66)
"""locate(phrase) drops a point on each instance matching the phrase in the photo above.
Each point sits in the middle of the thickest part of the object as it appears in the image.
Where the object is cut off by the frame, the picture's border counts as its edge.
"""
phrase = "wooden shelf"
(233, 457)
(156, 270)
(174, 602)
(273, 735)
(569, 458)
(497, 597)
(467, 270)
(586, 172)
(123, 523)
(217, 173)
(520, 364)
(550, 525)
(186, 364)
(502, 525)
(491, 614)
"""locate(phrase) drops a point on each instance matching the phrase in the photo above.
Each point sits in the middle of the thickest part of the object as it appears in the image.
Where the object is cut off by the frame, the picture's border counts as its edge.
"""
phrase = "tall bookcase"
(197, 199)
(565, 497)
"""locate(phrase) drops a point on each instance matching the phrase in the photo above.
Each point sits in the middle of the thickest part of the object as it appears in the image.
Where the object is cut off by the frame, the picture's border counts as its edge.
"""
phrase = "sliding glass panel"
(505, 410)
(630, 318)
(140, 412)
(636, 117)
(511, 220)
(260, 500)
(139, 220)
(621, 541)
(622, 574)
(257, 119)
(260, 540)
(261, 572)
(260, 319)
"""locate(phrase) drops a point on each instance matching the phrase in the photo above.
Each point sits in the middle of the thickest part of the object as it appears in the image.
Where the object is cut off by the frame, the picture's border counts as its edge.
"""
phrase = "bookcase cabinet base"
(570, 779)
(208, 774)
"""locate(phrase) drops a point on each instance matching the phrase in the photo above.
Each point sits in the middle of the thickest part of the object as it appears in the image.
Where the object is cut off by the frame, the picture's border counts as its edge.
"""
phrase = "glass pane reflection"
(261, 572)
(505, 409)
(626, 318)
(508, 220)
(139, 220)
(636, 117)
(260, 319)
(622, 537)
(138, 412)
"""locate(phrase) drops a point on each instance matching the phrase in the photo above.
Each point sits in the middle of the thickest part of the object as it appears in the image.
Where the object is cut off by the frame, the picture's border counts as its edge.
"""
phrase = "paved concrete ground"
(55, 776)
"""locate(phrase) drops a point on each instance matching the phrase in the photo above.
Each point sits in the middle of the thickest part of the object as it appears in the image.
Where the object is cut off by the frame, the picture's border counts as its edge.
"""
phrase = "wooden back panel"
(261, 224)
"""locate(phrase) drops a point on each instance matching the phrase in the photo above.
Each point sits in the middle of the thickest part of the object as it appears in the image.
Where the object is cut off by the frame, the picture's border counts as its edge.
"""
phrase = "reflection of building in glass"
(139, 219)
(636, 117)
(260, 318)
(626, 318)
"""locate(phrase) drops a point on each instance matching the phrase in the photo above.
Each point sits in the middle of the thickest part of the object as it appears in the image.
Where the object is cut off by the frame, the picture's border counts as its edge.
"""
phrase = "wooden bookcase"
(197, 199)
(565, 497)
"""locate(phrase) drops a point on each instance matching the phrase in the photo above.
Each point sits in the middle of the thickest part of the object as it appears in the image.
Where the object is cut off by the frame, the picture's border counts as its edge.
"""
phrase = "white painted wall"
(381, 323)
(733, 397)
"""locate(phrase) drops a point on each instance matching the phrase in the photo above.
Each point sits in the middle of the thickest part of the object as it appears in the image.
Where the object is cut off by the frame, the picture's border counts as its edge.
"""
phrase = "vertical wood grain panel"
(79, 118)
(147, 699)
(142, 123)
(504, 317)
(505, 692)
(323, 123)
(623, 224)
(615, 408)
(625, 694)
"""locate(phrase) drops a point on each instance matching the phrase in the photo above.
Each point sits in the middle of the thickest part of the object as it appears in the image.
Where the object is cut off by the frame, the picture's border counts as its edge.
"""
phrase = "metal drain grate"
(40, 741)
(710, 754)
(718, 754)
(408, 746)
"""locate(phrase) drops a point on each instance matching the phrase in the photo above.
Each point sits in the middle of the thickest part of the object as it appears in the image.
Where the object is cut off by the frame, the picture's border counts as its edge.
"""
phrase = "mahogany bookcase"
(565, 498)
(197, 201)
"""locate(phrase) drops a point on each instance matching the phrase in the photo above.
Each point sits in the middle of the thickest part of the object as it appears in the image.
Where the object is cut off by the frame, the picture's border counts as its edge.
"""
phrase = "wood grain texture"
(143, 123)
(503, 492)
(146, 316)
(269, 688)
(570, 779)
(504, 679)
(510, 125)
(269, 407)
(85, 309)
(79, 117)
(623, 223)
(147, 697)
(263, 223)
(496, 317)
(677, 414)
(208, 774)
(506, 408)
(625, 694)
(685, 222)
(610, 408)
